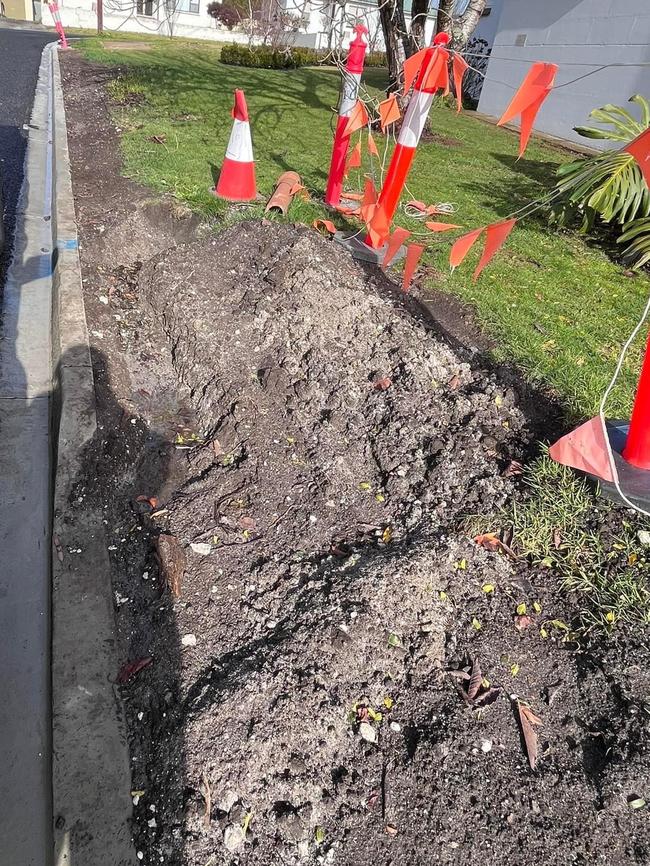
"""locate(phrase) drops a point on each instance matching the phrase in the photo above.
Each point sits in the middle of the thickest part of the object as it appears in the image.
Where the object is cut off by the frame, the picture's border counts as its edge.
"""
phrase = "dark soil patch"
(444, 140)
(312, 442)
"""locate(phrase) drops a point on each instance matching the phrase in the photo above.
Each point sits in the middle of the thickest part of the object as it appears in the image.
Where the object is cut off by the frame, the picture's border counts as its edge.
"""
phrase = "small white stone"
(103, 299)
(395, 726)
(486, 746)
(203, 548)
(188, 640)
(152, 823)
(140, 855)
(140, 716)
(368, 733)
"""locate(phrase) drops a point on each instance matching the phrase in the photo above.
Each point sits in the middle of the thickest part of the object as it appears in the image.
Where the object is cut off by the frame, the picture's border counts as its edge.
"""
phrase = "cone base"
(362, 252)
(586, 442)
(236, 181)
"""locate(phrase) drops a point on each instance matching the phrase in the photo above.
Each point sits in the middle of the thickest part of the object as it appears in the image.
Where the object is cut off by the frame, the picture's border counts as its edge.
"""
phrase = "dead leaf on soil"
(528, 720)
(383, 384)
(57, 547)
(206, 793)
(557, 539)
(217, 450)
(150, 500)
(491, 541)
(158, 139)
(392, 831)
(130, 669)
(247, 523)
(513, 468)
(479, 691)
(454, 382)
(171, 558)
(475, 680)
(522, 621)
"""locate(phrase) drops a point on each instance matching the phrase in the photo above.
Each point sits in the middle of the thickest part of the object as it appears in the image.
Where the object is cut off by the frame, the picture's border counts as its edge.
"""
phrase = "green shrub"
(262, 57)
(259, 57)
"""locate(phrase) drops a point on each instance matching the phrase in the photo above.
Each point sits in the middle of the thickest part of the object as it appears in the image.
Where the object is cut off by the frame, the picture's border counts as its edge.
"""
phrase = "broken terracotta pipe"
(285, 190)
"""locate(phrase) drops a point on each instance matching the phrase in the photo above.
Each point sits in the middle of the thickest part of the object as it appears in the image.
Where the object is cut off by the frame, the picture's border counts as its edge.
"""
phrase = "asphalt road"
(20, 56)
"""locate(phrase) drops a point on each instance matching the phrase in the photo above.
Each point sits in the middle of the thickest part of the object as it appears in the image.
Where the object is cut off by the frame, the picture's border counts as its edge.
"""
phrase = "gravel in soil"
(286, 452)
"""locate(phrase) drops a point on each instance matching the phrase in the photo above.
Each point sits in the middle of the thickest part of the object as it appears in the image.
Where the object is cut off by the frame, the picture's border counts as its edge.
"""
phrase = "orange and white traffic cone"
(237, 178)
(58, 26)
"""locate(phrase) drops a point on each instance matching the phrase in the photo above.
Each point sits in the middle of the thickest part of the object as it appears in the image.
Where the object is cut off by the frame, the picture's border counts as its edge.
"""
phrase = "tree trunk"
(393, 25)
(419, 10)
(459, 27)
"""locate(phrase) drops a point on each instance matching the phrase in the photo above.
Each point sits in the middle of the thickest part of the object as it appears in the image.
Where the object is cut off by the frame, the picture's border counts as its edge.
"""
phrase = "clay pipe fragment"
(285, 190)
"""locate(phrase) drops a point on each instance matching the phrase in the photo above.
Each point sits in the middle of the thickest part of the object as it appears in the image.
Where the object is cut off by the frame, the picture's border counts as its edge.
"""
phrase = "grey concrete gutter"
(91, 774)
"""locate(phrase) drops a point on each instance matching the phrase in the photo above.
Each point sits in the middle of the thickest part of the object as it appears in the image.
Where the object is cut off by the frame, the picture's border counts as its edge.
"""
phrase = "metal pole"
(100, 16)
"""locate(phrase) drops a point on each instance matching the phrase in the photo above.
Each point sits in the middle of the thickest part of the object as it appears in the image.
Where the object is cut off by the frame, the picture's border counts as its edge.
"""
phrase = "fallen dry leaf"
(57, 547)
(383, 384)
(247, 523)
(130, 669)
(522, 621)
(392, 831)
(528, 720)
(513, 468)
(158, 139)
(475, 680)
(454, 382)
(491, 541)
(215, 445)
(151, 500)
(557, 539)
(171, 558)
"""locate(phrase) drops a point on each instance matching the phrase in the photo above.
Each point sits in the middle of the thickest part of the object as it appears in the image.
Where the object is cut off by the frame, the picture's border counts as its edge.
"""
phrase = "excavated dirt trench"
(298, 583)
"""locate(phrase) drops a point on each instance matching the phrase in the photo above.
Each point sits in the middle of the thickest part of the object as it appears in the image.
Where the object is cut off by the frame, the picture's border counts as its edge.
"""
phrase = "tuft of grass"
(563, 524)
(553, 301)
(126, 90)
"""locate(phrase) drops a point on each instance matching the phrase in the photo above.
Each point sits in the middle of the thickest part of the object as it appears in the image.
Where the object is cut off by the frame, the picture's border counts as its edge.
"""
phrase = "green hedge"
(261, 57)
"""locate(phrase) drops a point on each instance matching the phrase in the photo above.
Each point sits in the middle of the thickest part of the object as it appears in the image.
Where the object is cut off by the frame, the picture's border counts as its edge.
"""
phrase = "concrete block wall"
(580, 36)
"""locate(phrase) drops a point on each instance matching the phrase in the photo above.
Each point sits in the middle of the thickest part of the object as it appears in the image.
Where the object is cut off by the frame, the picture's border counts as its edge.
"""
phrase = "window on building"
(145, 7)
(188, 6)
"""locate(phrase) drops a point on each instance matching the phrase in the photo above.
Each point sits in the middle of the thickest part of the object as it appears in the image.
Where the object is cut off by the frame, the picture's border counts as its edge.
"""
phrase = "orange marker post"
(349, 96)
(410, 133)
(637, 446)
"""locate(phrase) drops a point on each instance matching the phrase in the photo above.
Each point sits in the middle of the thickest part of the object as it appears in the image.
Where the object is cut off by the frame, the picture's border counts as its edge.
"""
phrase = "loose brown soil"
(309, 444)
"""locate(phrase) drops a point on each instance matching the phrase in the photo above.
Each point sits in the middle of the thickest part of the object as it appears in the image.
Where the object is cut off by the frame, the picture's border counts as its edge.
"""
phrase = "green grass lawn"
(555, 303)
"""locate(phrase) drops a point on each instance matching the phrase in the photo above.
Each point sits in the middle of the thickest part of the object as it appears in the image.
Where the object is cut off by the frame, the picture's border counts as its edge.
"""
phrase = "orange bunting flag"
(378, 227)
(372, 147)
(327, 224)
(436, 76)
(395, 241)
(389, 111)
(496, 234)
(357, 120)
(441, 227)
(527, 101)
(369, 201)
(354, 160)
(462, 246)
(347, 211)
(413, 254)
(460, 67)
(412, 66)
(640, 150)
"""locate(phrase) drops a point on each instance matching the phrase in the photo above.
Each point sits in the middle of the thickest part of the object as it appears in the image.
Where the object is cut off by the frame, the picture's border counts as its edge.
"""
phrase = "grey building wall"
(580, 36)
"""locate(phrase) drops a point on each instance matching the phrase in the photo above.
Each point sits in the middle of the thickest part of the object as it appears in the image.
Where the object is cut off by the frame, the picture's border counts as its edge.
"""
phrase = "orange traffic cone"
(237, 177)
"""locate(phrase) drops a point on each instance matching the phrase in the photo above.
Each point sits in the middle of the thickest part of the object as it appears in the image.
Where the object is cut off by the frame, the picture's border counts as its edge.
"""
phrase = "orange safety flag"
(411, 68)
(441, 227)
(413, 254)
(496, 234)
(585, 449)
(389, 111)
(462, 246)
(640, 150)
(527, 101)
(436, 76)
(358, 118)
(460, 67)
(347, 211)
(354, 160)
(328, 224)
(240, 109)
(372, 147)
(368, 201)
(395, 241)
(378, 227)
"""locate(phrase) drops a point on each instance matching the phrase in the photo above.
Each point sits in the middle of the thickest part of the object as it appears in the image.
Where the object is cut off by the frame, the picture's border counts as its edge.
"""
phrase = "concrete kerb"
(91, 774)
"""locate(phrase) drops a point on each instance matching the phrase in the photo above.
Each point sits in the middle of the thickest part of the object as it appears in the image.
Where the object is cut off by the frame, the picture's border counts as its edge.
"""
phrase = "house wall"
(21, 10)
(580, 36)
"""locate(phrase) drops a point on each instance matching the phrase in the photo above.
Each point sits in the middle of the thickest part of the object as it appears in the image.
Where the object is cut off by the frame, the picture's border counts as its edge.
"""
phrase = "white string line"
(601, 412)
